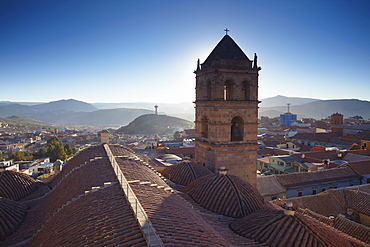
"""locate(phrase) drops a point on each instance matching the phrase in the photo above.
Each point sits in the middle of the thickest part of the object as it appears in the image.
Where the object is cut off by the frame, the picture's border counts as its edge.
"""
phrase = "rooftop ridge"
(149, 232)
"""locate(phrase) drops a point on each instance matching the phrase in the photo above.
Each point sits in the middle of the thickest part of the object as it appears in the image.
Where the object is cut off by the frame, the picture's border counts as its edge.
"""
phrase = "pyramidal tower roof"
(225, 49)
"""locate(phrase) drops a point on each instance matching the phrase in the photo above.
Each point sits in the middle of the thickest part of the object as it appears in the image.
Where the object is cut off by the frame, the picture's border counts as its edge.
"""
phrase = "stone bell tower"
(226, 111)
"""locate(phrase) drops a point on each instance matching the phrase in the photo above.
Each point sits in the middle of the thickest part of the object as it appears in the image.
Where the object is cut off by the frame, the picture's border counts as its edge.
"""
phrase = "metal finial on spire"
(226, 30)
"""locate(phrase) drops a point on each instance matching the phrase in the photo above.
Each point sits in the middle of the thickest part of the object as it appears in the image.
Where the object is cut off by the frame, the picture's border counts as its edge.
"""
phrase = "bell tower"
(226, 111)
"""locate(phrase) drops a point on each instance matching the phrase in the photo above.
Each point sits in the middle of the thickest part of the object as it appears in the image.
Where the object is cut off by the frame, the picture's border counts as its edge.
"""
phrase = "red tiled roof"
(101, 218)
(185, 172)
(11, 215)
(318, 156)
(226, 194)
(268, 185)
(334, 203)
(352, 228)
(298, 179)
(15, 185)
(67, 216)
(80, 158)
(356, 157)
(324, 203)
(173, 218)
(121, 151)
(318, 137)
(353, 199)
(277, 229)
(363, 187)
(70, 217)
(356, 230)
(361, 167)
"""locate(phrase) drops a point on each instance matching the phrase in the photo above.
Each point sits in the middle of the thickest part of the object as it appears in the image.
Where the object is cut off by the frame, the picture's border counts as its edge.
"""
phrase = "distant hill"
(181, 110)
(65, 105)
(72, 112)
(322, 108)
(8, 110)
(109, 117)
(155, 124)
(280, 100)
(25, 120)
(27, 124)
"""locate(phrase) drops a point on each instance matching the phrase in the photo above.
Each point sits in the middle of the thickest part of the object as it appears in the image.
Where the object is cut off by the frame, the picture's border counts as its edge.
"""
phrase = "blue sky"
(146, 51)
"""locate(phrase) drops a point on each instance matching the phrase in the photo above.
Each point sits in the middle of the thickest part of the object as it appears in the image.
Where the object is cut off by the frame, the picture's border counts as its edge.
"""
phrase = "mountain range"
(65, 112)
(314, 108)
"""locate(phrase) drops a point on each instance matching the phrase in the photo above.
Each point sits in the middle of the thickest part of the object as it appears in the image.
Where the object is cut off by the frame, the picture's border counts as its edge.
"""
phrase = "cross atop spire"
(226, 30)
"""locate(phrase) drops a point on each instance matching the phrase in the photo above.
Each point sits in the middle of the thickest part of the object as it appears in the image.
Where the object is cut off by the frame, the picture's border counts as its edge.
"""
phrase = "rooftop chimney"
(222, 170)
(288, 208)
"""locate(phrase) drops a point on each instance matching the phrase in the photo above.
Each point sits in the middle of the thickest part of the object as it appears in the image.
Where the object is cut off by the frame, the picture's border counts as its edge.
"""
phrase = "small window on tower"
(229, 90)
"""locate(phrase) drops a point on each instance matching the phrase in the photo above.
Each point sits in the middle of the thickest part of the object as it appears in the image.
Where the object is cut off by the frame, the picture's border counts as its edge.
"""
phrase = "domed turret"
(226, 194)
(11, 215)
(185, 172)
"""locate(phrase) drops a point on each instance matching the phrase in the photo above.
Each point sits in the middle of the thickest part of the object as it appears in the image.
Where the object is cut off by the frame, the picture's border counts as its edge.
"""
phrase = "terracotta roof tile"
(103, 217)
(356, 230)
(185, 172)
(171, 215)
(226, 194)
(352, 228)
(361, 167)
(269, 185)
(306, 178)
(356, 157)
(16, 185)
(277, 229)
(323, 203)
(11, 215)
(88, 219)
(353, 199)
(335, 203)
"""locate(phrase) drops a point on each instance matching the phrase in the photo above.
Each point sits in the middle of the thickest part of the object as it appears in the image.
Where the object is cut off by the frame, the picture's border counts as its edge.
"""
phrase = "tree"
(19, 155)
(55, 149)
(41, 153)
(69, 150)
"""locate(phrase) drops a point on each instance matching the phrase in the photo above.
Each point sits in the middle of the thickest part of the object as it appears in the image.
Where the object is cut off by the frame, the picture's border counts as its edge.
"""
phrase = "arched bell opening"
(237, 129)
